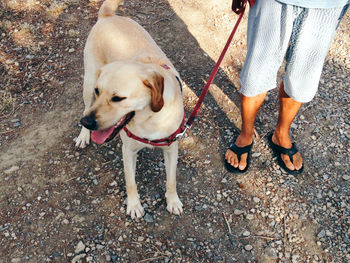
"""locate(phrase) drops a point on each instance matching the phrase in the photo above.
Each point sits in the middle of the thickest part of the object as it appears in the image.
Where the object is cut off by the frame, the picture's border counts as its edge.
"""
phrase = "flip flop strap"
(240, 150)
(290, 152)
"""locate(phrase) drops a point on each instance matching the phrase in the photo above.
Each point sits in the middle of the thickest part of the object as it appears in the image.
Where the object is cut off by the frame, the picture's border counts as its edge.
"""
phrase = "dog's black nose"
(89, 122)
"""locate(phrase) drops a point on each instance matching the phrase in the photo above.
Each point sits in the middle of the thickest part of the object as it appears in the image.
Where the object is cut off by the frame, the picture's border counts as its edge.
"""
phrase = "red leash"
(213, 73)
(184, 126)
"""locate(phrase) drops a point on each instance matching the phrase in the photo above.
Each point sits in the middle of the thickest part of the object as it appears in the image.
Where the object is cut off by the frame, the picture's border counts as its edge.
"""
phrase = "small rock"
(100, 247)
(346, 177)
(256, 199)
(248, 247)
(11, 170)
(79, 248)
(295, 258)
(114, 258)
(329, 233)
(250, 216)
(238, 212)
(224, 180)
(321, 234)
(149, 218)
(77, 258)
(246, 233)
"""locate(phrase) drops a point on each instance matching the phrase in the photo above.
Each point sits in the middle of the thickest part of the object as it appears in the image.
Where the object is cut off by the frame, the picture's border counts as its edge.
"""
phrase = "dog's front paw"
(174, 205)
(134, 208)
(83, 139)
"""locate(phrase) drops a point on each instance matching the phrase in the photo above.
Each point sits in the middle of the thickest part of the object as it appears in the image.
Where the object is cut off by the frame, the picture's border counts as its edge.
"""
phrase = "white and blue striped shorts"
(301, 35)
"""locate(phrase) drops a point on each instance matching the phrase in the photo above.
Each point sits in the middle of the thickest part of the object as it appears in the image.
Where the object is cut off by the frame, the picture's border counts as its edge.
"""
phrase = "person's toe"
(243, 162)
(231, 158)
(297, 161)
(287, 162)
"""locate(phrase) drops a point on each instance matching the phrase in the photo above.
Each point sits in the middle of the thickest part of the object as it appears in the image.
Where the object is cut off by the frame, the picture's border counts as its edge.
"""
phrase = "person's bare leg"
(249, 110)
(288, 109)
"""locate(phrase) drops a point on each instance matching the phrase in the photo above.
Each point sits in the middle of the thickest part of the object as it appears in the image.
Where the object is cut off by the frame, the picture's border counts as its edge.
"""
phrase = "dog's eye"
(117, 98)
(97, 92)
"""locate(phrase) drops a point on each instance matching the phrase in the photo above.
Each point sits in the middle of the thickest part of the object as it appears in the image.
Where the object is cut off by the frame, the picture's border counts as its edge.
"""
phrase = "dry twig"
(150, 259)
(228, 225)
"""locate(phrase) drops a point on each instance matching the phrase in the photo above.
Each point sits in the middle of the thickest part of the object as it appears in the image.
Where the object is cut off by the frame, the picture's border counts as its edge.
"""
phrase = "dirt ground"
(63, 204)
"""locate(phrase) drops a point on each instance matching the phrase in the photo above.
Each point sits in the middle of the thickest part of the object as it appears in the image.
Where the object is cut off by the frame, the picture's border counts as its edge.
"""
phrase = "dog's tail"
(108, 8)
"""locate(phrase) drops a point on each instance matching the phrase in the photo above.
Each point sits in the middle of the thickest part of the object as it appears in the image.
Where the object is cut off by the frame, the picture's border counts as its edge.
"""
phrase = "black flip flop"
(239, 151)
(278, 150)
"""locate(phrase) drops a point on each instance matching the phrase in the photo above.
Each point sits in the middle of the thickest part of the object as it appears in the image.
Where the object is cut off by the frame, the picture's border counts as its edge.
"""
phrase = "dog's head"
(123, 89)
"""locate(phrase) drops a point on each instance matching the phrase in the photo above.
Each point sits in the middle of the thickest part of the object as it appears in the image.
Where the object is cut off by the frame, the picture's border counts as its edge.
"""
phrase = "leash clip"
(181, 134)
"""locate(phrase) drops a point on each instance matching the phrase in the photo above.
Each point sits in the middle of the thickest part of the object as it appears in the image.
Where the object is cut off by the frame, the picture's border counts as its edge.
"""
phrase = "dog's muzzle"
(89, 122)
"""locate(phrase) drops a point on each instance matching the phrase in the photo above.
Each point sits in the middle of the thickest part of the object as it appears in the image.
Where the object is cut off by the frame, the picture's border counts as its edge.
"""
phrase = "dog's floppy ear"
(157, 89)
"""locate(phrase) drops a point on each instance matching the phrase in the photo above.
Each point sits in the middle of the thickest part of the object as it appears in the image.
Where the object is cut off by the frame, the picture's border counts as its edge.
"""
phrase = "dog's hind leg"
(174, 205)
(134, 207)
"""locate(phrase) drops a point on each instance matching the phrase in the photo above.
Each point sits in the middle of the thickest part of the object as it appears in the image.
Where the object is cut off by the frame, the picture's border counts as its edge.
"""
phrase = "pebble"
(248, 247)
(148, 218)
(295, 258)
(246, 233)
(100, 247)
(78, 257)
(224, 180)
(321, 234)
(346, 177)
(79, 248)
(11, 170)
(256, 199)
(238, 212)
(250, 216)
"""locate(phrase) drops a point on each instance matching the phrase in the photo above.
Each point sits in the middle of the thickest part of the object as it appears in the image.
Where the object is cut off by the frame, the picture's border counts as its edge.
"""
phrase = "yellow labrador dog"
(129, 81)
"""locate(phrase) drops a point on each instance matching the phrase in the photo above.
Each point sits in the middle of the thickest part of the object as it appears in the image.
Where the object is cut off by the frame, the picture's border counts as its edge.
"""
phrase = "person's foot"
(232, 158)
(285, 142)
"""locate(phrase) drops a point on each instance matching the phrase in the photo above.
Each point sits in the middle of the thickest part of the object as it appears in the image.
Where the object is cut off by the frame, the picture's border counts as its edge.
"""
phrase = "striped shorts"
(300, 35)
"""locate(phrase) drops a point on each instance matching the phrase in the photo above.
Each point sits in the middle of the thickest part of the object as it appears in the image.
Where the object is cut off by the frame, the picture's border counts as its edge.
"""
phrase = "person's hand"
(238, 6)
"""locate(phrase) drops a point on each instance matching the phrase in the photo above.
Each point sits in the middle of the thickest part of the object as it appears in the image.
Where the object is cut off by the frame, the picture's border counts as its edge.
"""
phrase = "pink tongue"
(100, 136)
